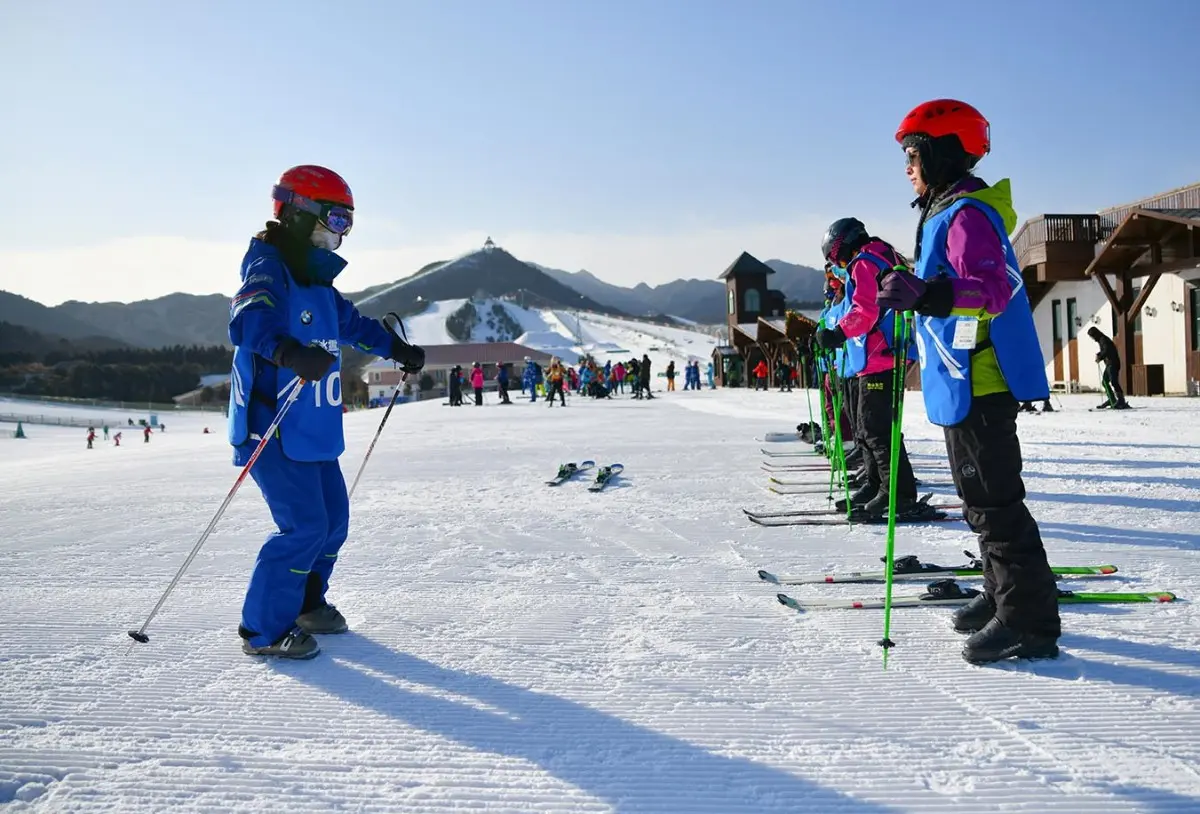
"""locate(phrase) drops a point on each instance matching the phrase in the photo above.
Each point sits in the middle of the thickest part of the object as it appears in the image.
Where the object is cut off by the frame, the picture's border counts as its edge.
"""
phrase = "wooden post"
(1124, 338)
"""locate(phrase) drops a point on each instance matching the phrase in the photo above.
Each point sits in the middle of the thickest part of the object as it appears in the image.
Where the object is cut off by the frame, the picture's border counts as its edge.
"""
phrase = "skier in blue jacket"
(287, 322)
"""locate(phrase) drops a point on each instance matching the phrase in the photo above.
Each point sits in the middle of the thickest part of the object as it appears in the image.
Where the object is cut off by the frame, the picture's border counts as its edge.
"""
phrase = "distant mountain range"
(190, 319)
(696, 300)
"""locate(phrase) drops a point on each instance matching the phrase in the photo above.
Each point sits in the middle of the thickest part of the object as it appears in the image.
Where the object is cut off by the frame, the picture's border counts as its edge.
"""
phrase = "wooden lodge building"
(1133, 271)
(760, 328)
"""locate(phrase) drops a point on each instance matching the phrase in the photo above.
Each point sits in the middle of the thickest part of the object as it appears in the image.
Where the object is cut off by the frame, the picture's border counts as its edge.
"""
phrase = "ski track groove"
(585, 653)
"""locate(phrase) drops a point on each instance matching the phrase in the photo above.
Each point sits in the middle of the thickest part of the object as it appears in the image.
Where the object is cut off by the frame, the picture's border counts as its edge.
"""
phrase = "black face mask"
(291, 238)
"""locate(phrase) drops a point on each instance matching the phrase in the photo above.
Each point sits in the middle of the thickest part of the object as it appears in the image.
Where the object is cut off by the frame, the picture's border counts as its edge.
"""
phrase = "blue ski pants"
(309, 504)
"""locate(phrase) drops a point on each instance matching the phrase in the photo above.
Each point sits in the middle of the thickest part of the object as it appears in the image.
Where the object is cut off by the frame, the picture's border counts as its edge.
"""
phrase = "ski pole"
(139, 635)
(388, 412)
(900, 349)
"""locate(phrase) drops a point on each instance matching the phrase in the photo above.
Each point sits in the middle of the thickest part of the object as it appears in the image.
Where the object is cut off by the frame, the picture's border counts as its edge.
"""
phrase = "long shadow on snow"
(1155, 480)
(1091, 443)
(1108, 463)
(1105, 463)
(1076, 668)
(1168, 504)
(1152, 801)
(594, 751)
(1074, 532)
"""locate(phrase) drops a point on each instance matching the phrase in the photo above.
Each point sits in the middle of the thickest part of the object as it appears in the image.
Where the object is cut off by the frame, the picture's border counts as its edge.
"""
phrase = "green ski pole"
(837, 458)
(807, 391)
(900, 349)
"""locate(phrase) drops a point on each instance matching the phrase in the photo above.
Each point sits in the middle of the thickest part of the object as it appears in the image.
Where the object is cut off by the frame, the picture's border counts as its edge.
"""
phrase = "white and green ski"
(911, 569)
(604, 476)
(568, 471)
(949, 592)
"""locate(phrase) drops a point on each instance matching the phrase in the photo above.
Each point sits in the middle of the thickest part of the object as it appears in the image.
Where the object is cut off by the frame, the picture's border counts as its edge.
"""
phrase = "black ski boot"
(1103, 406)
(1027, 407)
(997, 642)
(1122, 405)
(1047, 407)
(862, 497)
(908, 510)
(855, 458)
(974, 615)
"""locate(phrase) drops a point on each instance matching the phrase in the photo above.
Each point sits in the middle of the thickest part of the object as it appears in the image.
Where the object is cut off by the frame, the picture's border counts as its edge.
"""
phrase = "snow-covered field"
(523, 649)
(81, 414)
(569, 334)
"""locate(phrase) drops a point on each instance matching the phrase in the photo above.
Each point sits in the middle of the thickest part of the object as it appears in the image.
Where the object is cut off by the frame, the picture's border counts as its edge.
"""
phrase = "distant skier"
(454, 379)
(711, 372)
(980, 357)
(529, 378)
(286, 323)
(618, 375)
(91, 437)
(671, 375)
(105, 428)
(477, 383)
(502, 382)
(644, 375)
(146, 434)
(117, 440)
(556, 376)
(1110, 379)
(761, 371)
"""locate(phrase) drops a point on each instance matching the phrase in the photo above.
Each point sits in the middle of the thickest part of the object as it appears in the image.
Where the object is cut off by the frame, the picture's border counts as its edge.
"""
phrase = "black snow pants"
(985, 459)
(874, 433)
(1111, 378)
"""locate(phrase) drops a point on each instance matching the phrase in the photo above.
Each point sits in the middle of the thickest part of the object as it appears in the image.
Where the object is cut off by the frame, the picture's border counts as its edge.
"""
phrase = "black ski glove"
(830, 338)
(311, 362)
(411, 358)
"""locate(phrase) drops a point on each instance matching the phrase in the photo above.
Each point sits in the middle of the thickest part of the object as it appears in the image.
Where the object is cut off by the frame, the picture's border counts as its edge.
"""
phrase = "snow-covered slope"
(569, 334)
(522, 649)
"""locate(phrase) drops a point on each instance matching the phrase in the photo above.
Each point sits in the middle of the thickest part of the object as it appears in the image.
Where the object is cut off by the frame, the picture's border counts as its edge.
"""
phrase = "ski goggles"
(334, 217)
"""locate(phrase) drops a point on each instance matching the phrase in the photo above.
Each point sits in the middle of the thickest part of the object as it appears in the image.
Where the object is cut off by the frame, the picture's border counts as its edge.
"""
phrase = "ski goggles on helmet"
(334, 217)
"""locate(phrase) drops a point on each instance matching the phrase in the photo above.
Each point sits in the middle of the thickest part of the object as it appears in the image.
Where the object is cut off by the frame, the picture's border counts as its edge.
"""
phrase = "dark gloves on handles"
(310, 362)
(830, 338)
(411, 358)
(901, 291)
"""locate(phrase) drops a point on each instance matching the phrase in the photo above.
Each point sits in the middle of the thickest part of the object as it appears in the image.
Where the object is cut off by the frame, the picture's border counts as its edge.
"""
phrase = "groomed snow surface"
(517, 648)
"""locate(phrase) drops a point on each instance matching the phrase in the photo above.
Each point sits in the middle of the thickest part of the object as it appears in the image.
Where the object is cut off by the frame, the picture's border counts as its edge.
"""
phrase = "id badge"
(964, 333)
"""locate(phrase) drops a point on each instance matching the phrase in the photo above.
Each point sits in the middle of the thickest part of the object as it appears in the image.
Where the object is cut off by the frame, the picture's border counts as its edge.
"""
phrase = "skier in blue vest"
(867, 332)
(980, 358)
(287, 322)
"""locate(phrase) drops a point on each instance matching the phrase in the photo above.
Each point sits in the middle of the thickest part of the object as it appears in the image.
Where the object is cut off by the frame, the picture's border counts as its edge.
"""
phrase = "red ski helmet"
(319, 191)
(949, 117)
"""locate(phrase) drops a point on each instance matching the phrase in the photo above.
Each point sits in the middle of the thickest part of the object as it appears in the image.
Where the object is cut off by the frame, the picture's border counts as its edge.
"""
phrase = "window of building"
(1194, 303)
(752, 301)
(1072, 316)
(1056, 319)
(731, 302)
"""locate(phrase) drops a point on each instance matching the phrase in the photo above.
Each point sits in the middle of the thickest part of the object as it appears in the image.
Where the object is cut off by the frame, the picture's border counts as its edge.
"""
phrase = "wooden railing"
(1041, 229)
(1182, 198)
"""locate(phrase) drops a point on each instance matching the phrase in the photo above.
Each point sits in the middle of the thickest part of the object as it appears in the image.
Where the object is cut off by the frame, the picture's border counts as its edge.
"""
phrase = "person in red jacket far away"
(760, 373)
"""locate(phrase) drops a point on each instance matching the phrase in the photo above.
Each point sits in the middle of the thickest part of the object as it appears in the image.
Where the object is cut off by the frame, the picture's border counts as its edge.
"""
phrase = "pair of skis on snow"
(604, 475)
(924, 512)
(943, 589)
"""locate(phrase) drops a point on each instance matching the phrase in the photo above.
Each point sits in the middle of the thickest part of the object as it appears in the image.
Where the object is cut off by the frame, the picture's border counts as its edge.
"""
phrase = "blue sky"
(644, 141)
